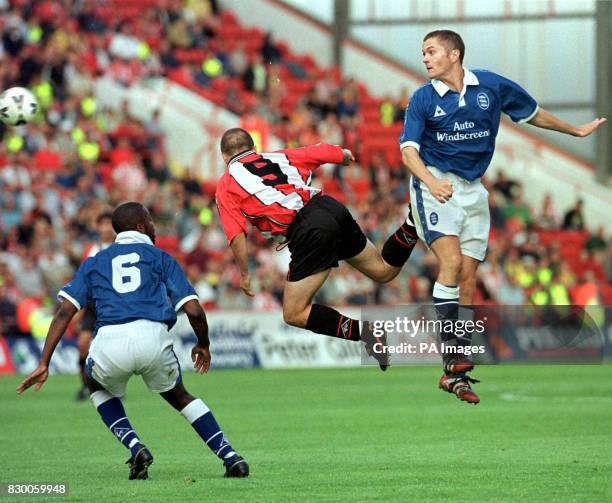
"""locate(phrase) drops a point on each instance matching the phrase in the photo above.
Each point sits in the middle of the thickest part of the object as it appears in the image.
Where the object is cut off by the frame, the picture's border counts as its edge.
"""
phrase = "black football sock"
(466, 318)
(327, 321)
(398, 247)
(446, 304)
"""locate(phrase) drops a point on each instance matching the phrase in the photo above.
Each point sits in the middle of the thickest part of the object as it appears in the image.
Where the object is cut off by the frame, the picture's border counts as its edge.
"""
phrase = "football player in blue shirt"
(447, 144)
(137, 289)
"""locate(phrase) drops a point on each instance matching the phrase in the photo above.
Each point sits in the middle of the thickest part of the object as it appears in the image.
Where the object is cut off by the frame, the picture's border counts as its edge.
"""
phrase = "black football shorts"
(322, 233)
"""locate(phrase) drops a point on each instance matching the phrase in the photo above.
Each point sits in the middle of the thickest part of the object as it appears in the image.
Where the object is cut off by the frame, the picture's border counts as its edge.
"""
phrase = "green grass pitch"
(539, 434)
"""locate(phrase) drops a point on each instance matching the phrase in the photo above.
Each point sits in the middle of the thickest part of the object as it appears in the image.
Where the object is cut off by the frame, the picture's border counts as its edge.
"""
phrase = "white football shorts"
(465, 215)
(141, 347)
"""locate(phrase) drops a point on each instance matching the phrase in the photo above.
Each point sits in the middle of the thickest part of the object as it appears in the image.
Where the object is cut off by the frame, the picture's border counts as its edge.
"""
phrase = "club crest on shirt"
(433, 218)
(439, 112)
(483, 100)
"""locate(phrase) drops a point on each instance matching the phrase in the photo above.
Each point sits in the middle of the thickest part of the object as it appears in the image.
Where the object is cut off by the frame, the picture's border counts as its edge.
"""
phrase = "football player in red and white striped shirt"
(272, 192)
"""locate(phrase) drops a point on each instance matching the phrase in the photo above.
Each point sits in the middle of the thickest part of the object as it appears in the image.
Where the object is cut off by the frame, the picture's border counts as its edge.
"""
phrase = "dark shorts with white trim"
(322, 233)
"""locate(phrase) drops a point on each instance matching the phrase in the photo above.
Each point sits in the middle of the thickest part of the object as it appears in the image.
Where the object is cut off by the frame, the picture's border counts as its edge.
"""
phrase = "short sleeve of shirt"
(178, 287)
(77, 291)
(232, 220)
(516, 102)
(414, 122)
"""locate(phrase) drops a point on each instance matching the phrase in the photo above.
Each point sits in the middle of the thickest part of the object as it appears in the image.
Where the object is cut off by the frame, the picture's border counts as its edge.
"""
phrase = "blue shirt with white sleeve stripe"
(130, 280)
(455, 132)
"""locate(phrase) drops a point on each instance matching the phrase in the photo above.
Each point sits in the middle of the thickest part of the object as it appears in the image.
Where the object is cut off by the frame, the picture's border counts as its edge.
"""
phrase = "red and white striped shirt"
(268, 189)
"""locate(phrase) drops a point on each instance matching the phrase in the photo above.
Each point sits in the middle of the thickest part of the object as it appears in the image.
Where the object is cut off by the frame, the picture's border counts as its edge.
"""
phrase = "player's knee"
(382, 276)
(389, 273)
(294, 318)
(451, 264)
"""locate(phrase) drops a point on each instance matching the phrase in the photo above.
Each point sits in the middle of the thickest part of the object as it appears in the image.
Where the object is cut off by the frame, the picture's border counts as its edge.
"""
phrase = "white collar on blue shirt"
(469, 79)
(132, 237)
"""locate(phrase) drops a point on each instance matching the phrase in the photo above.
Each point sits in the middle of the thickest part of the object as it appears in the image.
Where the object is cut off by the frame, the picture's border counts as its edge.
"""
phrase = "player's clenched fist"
(347, 157)
(442, 190)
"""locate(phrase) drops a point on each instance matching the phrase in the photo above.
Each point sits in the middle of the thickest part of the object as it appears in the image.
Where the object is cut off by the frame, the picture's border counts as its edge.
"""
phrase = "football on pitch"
(17, 106)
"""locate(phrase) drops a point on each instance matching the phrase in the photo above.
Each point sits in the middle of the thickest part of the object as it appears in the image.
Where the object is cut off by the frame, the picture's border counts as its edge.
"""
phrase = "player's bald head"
(449, 39)
(236, 140)
(127, 216)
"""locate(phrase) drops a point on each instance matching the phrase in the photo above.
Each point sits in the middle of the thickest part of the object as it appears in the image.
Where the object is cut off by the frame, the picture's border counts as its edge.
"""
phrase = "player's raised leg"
(204, 423)
(299, 311)
(385, 265)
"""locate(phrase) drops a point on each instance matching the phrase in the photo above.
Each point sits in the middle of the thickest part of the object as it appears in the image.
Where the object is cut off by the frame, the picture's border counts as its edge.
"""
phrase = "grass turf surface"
(540, 433)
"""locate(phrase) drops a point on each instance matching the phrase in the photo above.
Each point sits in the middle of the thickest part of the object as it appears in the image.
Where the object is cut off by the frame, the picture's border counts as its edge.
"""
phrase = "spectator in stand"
(504, 186)
(156, 167)
(510, 293)
(124, 44)
(586, 291)
(548, 218)
(574, 220)
(597, 241)
(401, 105)
(324, 94)
(8, 314)
(329, 130)
(255, 77)
(269, 51)
(498, 218)
(558, 292)
(348, 102)
(180, 35)
(516, 208)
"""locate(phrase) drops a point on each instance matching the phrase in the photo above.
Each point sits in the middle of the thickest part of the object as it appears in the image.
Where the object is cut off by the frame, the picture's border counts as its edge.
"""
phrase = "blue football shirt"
(455, 132)
(130, 280)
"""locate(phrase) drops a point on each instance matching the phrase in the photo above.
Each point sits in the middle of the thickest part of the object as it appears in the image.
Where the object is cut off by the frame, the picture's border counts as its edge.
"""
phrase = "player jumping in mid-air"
(272, 191)
(106, 236)
(130, 284)
(447, 144)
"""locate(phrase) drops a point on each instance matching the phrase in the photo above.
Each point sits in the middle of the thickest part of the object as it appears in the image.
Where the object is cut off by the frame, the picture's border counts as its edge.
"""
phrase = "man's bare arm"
(442, 190)
(546, 120)
(239, 249)
(200, 354)
(58, 327)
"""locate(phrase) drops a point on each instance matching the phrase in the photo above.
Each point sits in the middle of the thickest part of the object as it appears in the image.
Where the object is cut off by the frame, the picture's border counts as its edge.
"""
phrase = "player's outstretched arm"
(59, 324)
(546, 120)
(239, 249)
(200, 354)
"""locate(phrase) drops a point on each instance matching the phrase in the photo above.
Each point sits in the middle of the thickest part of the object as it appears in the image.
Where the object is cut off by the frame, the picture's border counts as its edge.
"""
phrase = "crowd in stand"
(77, 160)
